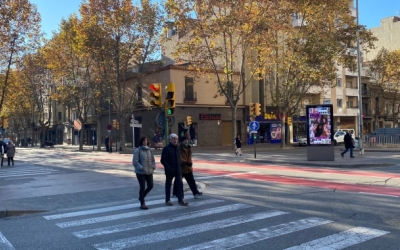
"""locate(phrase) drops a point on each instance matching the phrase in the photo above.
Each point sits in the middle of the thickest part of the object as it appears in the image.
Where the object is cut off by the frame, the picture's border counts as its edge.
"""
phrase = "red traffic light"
(154, 86)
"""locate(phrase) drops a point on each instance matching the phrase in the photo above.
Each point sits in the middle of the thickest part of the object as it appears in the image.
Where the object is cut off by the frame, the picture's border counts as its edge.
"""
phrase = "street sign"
(135, 125)
(161, 120)
(254, 126)
(253, 132)
(109, 127)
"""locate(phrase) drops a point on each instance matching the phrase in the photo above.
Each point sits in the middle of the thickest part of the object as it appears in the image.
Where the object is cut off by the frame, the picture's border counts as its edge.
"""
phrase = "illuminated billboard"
(319, 124)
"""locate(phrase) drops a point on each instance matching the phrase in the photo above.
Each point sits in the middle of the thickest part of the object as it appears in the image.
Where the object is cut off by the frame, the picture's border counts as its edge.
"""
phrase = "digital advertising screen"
(320, 124)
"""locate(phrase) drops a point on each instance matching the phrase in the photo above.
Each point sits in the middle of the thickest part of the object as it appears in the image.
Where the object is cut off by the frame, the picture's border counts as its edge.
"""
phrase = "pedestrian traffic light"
(156, 94)
(252, 107)
(257, 109)
(170, 100)
(188, 120)
(289, 120)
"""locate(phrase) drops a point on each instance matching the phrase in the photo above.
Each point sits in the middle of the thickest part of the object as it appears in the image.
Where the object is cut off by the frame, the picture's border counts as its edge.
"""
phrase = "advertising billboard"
(319, 124)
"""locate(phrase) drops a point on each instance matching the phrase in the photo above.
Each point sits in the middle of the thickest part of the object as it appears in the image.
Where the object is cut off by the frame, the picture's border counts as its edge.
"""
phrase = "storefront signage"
(210, 117)
(270, 116)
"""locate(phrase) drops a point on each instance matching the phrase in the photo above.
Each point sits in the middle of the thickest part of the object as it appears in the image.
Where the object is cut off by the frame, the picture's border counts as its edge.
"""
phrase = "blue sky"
(52, 11)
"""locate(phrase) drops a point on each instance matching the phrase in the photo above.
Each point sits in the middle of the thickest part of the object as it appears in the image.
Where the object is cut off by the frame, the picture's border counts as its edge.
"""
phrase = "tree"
(313, 40)
(133, 34)
(222, 37)
(384, 76)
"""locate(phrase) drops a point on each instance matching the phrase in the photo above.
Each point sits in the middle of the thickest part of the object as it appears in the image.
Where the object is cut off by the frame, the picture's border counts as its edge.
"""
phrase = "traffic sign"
(254, 126)
(109, 127)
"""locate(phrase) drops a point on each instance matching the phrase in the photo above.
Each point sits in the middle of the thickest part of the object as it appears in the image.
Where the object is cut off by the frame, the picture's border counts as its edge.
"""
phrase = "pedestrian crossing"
(18, 172)
(128, 227)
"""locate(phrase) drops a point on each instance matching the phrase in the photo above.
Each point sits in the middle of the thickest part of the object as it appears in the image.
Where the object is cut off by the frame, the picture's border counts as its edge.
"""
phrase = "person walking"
(187, 168)
(238, 143)
(3, 148)
(145, 164)
(10, 153)
(170, 159)
(348, 144)
(107, 143)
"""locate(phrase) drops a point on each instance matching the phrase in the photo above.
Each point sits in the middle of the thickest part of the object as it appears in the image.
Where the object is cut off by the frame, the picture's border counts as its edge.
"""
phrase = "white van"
(339, 135)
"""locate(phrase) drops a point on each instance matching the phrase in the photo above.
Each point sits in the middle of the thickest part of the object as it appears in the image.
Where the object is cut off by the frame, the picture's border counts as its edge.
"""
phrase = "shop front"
(270, 129)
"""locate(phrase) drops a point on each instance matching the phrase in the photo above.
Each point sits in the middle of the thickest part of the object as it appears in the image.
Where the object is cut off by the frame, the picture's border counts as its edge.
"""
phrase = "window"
(350, 104)
(339, 103)
(190, 95)
(327, 101)
(339, 82)
(73, 116)
(59, 116)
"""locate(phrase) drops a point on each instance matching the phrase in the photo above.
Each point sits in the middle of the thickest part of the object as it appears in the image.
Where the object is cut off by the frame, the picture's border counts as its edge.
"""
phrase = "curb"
(322, 164)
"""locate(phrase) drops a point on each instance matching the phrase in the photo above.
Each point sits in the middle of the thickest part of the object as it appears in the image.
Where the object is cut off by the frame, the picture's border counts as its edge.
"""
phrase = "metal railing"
(381, 141)
(190, 96)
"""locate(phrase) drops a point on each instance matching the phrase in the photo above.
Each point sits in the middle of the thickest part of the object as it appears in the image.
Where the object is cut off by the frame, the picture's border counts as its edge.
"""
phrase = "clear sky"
(52, 11)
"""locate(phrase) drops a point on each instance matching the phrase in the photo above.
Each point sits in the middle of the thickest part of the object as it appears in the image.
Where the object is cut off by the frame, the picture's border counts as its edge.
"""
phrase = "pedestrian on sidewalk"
(187, 168)
(144, 163)
(10, 152)
(348, 143)
(107, 143)
(170, 159)
(3, 148)
(238, 143)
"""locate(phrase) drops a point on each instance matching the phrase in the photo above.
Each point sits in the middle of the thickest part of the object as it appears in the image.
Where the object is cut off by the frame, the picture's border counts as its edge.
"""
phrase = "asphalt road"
(90, 201)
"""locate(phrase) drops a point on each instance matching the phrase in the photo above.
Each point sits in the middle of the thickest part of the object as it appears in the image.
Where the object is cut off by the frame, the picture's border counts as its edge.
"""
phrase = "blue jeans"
(347, 149)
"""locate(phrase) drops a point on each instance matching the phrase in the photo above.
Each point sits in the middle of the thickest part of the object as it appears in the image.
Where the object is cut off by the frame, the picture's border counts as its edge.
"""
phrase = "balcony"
(352, 111)
(350, 73)
(351, 91)
(190, 97)
(366, 93)
(353, 12)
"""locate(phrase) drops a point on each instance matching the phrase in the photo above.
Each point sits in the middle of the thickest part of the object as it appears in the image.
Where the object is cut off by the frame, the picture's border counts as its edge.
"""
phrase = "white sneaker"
(197, 196)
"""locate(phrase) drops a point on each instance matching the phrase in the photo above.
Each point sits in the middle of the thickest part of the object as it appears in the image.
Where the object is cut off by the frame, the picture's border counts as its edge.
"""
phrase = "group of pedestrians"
(177, 161)
(8, 150)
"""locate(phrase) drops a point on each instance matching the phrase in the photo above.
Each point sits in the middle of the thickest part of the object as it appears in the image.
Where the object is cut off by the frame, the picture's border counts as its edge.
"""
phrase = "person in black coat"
(348, 144)
(238, 143)
(170, 159)
(107, 143)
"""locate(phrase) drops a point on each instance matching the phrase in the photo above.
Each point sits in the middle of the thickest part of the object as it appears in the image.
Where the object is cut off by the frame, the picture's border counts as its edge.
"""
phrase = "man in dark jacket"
(348, 144)
(170, 159)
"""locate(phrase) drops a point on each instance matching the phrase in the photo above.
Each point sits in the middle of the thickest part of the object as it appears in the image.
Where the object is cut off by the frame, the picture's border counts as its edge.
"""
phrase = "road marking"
(5, 244)
(185, 231)
(153, 222)
(388, 195)
(131, 214)
(342, 240)
(259, 235)
(99, 210)
(225, 175)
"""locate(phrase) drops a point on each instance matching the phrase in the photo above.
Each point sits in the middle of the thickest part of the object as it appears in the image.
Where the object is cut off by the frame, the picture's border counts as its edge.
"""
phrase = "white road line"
(99, 210)
(259, 235)
(5, 244)
(26, 174)
(388, 195)
(225, 175)
(153, 222)
(342, 240)
(184, 231)
(130, 214)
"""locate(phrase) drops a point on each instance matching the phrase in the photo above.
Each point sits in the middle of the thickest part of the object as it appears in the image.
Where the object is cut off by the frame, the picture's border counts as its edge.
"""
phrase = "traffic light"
(117, 126)
(170, 100)
(257, 109)
(115, 123)
(252, 107)
(188, 120)
(4, 122)
(289, 120)
(156, 94)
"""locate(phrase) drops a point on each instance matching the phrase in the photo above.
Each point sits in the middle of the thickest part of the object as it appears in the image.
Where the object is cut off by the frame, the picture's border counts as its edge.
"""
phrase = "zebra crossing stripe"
(5, 244)
(185, 231)
(99, 210)
(342, 240)
(259, 235)
(25, 173)
(130, 214)
(153, 222)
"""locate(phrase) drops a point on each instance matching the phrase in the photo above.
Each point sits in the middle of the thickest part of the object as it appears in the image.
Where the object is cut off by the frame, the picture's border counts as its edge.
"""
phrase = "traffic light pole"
(166, 123)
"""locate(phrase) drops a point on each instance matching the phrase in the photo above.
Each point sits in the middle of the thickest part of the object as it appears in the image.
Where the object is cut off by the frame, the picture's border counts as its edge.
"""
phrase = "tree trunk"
(234, 133)
(283, 130)
(81, 137)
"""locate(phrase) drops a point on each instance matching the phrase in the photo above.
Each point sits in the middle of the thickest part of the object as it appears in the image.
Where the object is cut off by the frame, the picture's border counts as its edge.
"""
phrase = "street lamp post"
(360, 114)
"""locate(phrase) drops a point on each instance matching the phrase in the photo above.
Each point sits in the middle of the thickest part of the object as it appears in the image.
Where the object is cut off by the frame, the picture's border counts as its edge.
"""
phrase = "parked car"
(302, 141)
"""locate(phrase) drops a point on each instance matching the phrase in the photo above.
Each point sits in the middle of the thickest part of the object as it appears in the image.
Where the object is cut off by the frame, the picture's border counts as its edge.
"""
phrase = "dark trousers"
(10, 159)
(107, 147)
(177, 182)
(190, 181)
(143, 179)
(2, 158)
